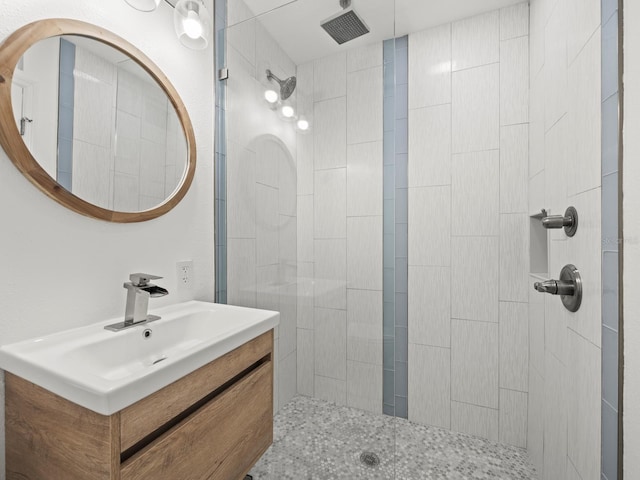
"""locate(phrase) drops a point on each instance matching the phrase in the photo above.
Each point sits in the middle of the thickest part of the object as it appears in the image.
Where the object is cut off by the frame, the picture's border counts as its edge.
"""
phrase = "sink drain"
(369, 459)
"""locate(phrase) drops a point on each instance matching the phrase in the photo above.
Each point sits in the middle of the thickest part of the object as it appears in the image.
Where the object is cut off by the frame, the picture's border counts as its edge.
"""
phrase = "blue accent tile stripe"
(610, 97)
(395, 276)
(220, 166)
(66, 88)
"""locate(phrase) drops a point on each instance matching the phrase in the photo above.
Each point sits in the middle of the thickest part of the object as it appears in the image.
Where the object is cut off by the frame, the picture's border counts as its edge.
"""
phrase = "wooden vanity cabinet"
(214, 423)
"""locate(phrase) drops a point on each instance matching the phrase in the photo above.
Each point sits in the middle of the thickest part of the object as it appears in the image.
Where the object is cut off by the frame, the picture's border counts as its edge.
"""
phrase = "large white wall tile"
(514, 81)
(330, 77)
(430, 67)
(514, 174)
(364, 57)
(475, 272)
(330, 203)
(473, 420)
(306, 360)
(536, 126)
(555, 419)
(288, 321)
(555, 92)
(430, 385)
(475, 109)
(267, 297)
(513, 418)
(330, 343)
(514, 21)
(536, 336)
(475, 41)
(514, 257)
(267, 162)
(430, 146)
(364, 105)
(535, 420)
(330, 133)
(429, 226)
(305, 228)
(331, 390)
(287, 379)
(266, 225)
(430, 306)
(241, 191)
(364, 179)
(364, 253)
(585, 18)
(364, 386)
(475, 363)
(241, 279)
(585, 118)
(364, 326)
(475, 193)
(305, 297)
(242, 37)
(304, 164)
(584, 406)
(514, 346)
(330, 273)
(536, 36)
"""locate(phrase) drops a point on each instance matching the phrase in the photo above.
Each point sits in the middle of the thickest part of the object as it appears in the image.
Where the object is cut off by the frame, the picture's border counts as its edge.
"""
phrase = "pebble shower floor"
(316, 440)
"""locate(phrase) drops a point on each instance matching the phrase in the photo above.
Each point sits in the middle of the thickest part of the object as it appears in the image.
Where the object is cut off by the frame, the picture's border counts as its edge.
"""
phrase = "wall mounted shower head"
(286, 86)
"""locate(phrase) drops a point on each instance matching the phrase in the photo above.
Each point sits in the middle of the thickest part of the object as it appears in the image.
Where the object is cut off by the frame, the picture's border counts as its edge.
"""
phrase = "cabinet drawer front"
(154, 411)
(221, 440)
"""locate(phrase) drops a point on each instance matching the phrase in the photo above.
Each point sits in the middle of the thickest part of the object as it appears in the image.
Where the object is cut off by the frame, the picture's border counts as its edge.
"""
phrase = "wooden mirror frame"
(12, 50)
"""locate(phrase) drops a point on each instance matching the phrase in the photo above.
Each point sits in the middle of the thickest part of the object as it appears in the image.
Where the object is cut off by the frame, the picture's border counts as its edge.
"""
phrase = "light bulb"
(303, 125)
(287, 111)
(271, 96)
(192, 25)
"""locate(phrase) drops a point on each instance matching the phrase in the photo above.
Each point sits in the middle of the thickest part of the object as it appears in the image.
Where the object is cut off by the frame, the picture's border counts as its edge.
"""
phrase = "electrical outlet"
(184, 272)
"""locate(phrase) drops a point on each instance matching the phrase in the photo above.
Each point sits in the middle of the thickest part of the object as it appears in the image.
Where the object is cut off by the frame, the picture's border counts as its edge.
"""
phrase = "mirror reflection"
(98, 123)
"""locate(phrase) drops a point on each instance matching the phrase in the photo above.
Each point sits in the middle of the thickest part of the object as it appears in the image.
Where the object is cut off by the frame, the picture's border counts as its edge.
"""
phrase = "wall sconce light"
(144, 5)
(193, 23)
(191, 20)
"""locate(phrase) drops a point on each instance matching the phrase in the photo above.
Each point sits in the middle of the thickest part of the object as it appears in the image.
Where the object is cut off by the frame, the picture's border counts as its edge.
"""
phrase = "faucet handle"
(142, 279)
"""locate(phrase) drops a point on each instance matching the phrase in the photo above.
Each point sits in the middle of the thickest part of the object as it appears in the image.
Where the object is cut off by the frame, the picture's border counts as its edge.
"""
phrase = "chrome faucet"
(139, 290)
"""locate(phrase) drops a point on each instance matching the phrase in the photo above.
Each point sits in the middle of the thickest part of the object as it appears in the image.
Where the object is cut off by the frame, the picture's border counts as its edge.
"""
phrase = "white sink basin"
(107, 371)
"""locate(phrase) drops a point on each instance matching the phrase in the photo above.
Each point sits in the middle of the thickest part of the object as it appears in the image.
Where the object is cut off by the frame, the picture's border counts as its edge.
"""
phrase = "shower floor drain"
(369, 459)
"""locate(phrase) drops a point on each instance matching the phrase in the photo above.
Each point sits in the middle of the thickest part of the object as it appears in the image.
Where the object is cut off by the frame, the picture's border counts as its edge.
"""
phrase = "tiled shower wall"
(468, 284)
(468, 225)
(565, 169)
(340, 229)
(261, 190)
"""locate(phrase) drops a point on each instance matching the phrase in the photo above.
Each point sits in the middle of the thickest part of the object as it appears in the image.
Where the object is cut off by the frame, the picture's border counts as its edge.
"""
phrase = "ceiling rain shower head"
(286, 86)
(345, 25)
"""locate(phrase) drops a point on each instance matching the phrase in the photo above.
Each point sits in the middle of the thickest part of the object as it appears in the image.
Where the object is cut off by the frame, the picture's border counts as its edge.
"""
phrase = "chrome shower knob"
(569, 287)
(569, 221)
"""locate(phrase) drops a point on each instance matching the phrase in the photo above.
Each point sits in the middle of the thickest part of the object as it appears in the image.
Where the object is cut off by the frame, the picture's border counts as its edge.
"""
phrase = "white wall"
(468, 225)
(565, 169)
(61, 270)
(631, 220)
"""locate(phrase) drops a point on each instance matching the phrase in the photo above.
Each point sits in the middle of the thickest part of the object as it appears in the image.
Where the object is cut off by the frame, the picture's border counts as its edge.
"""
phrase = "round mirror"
(93, 122)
